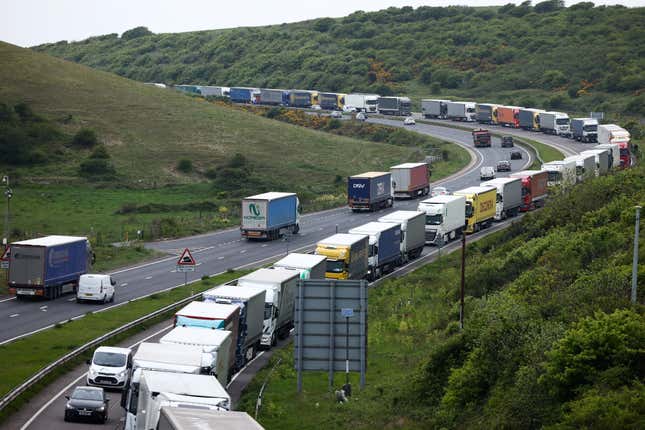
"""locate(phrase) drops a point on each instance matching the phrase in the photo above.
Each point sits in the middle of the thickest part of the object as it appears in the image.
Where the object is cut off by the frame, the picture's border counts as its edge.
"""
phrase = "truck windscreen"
(335, 266)
(434, 219)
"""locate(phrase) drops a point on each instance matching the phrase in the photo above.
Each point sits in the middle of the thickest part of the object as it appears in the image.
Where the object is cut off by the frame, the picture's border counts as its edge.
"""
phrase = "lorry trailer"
(217, 348)
(302, 98)
(400, 106)
(434, 108)
(486, 113)
(274, 97)
(445, 218)
(534, 191)
(480, 207)
(243, 94)
(530, 119)
(251, 302)
(585, 166)
(410, 180)
(331, 101)
(363, 102)
(508, 116)
(279, 303)
(412, 225)
(461, 111)
(560, 173)
(614, 134)
(346, 255)
(178, 418)
(509, 196)
(584, 129)
(370, 191)
(270, 215)
(384, 247)
(602, 159)
(48, 266)
(310, 266)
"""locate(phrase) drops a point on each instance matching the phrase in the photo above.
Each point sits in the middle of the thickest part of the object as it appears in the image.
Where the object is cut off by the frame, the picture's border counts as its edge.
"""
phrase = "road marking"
(243, 369)
(125, 284)
(14, 315)
(243, 251)
(264, 245)
(6, 300)
(72, 299)
(64, 390)
(173, 271)
(148, 277)
(43, 308)
(220, 257)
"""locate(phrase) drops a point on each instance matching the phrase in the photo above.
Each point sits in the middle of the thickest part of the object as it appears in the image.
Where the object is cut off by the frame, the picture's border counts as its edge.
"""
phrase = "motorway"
(215, 252)
(218, 251)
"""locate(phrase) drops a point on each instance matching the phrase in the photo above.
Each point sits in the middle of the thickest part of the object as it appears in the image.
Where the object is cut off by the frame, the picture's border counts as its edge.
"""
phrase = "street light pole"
(8, 194)
(635, 260)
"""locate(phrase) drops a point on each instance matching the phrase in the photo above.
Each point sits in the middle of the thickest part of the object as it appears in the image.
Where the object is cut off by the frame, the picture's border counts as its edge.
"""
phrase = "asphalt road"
(216, 252)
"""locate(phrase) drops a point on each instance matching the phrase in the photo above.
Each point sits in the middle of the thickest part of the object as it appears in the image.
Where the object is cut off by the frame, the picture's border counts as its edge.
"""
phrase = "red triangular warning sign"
(5, 255)
(186, 259)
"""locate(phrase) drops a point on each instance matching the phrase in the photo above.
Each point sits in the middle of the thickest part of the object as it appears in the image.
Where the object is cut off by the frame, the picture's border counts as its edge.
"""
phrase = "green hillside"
(576, 58)
(550, 339)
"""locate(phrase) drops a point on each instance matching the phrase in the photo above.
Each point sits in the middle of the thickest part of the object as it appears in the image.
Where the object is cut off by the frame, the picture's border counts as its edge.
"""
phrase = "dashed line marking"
(14, 315)
(148, 277)
(243, 251)
(72, 299)
(220, 257)
(125, 284)
(264, 245)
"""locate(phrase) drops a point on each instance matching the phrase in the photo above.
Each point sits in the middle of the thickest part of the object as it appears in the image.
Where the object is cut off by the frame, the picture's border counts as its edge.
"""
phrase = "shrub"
(96, 167)
(184, 165)
(85, 138)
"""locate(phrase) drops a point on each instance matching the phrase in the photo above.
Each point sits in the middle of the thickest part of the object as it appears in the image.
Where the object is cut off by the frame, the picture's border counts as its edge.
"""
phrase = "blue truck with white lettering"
(48, 266)
(370, 191)
(270, 215)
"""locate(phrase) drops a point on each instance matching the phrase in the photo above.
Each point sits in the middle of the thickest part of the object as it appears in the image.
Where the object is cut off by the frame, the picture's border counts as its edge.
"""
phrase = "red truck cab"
(533, 188)
(625, 155)
(481, 138)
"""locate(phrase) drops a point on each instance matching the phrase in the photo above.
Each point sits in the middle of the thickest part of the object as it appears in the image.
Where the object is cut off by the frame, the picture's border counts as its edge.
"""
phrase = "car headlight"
(121, 374)
(101, 409)
(68, 406)
(92, 372)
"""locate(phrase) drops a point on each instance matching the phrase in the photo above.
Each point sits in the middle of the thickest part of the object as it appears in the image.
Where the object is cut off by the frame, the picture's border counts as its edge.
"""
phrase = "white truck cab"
(95, 288)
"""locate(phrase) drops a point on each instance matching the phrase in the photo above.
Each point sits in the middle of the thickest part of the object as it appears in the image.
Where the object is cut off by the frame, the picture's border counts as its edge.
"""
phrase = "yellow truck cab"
(346, 255)
(480, 207)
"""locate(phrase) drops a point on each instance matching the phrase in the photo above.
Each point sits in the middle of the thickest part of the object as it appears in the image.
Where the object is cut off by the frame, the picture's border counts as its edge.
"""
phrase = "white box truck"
(434, 108)
(602, 160)
(560, 172)
(614, 153)
(509, 196)
(159, 389)
(445, 218)
(311, 266)
(461, 111)
(280, 285)
(557, 123)
(362, 102)
(251, 302)
(217, 348)
(412, 229)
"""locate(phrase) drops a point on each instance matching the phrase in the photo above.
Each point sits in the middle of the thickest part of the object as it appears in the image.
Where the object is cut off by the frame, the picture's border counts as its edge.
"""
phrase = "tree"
(185, 165)
(136, 32)
(85, 138)
(549, 6)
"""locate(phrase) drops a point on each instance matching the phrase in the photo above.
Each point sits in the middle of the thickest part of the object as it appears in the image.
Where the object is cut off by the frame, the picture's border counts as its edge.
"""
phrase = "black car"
(87, 403)
(503, 166)
(516, 155)
(507, 142)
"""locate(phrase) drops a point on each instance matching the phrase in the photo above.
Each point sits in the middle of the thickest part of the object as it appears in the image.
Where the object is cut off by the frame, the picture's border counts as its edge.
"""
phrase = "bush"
(85, 138)
(100, 152)
(97, 168)
(136, 32)
(185, 166)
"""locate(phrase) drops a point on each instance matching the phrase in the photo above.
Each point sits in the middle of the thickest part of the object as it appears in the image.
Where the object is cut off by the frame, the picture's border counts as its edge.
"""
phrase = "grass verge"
(27, 356)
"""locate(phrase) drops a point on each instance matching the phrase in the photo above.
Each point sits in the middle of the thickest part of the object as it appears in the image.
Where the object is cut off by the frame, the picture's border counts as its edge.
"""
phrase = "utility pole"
(635, 260)
(463, 278)
(8, 194)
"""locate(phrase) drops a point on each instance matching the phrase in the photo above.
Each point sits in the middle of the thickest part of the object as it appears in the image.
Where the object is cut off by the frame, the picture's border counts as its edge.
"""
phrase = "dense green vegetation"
(550, 338)
(578, 58)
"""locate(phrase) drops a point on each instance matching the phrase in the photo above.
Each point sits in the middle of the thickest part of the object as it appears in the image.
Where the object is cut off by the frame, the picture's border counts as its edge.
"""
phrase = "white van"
(486, 173)
(97, 288)
(110, 367)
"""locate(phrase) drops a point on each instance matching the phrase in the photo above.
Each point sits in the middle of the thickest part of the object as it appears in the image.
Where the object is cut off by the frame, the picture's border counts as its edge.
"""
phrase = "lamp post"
(8, 194)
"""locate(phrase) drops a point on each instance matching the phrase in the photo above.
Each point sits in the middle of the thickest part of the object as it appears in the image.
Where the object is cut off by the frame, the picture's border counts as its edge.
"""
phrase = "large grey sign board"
(331, 327)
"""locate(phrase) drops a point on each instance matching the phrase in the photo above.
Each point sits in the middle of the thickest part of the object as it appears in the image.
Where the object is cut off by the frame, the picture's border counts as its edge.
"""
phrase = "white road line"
(125, 284)
(264, 245)
(64, 390)
(220, 257)
(147, 277)
(6, 300)
(72, 299)
(14, 315)
(42, 308)
(243, 251)
(242, 369)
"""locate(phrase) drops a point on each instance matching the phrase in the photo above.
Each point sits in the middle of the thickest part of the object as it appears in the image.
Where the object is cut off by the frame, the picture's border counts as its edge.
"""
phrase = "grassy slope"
(148, 129)
(517, 55)
(525, 288)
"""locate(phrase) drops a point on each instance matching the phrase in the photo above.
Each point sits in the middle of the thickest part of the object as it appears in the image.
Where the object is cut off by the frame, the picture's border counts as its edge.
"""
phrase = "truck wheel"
(274, 340)
(296, 229)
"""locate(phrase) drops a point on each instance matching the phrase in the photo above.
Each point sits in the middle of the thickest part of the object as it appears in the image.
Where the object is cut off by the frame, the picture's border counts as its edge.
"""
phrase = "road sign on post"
(331, 328)
(185, 264)
(4, 260)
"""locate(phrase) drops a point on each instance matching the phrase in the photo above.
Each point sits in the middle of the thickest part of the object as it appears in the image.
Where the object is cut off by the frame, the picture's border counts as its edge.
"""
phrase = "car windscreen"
(109, 359)
(87, 394)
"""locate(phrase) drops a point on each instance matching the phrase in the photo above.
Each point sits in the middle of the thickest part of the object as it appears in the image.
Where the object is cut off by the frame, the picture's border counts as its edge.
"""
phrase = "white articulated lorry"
(311, 266)
(412, 229)
(561, 172)
(159, 357)
(216, 347)
(585, 166)
(178, 418)
(159, 389)
(445, 218)
(509, 196)
(279, 303)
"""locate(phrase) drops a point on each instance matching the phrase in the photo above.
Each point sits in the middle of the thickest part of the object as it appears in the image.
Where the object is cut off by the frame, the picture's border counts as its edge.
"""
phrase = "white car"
(349, 109)
(110, 367)
(487, 173)
(409, 121)
(336, 114)
(95, 288)
(439, 191)
(316, 107)
(361, 116)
